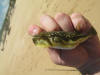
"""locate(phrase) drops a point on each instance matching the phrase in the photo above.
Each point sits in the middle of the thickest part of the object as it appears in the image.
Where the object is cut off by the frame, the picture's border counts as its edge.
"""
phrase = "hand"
(89, 50)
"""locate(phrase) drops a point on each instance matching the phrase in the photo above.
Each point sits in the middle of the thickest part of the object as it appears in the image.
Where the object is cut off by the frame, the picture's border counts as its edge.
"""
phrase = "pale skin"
(88, 51)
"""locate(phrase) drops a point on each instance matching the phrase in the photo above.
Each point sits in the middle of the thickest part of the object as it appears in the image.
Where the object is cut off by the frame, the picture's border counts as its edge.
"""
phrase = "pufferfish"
(61, 39)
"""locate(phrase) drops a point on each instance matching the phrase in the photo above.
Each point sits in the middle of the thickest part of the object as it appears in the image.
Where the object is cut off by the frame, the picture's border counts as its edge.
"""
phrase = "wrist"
(90, 68)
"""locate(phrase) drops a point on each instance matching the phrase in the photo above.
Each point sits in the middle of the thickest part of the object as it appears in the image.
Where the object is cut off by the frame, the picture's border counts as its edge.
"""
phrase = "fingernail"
(33, 30)
(79, 27)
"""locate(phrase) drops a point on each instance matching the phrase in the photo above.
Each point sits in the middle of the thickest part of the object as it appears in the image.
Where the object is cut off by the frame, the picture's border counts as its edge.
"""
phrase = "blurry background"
(19, 55)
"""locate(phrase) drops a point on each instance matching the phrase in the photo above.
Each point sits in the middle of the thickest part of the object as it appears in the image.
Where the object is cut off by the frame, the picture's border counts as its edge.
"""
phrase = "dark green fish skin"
(60, 38)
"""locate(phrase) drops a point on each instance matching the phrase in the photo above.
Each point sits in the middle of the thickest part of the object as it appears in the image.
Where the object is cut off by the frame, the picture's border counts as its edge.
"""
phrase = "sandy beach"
(20, 56)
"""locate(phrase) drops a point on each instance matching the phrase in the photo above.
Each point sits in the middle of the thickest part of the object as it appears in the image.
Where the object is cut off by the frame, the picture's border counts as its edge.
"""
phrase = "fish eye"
(74, 38)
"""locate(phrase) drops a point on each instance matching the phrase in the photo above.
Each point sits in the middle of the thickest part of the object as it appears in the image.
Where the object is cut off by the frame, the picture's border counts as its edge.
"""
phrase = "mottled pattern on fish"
(61, 39)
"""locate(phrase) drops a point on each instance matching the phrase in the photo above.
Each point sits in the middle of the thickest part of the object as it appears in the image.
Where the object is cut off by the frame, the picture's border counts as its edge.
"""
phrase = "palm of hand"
(77, 57)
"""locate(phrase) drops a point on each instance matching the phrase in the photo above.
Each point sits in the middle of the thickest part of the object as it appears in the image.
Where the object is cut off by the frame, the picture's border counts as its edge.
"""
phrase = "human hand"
(85, 52)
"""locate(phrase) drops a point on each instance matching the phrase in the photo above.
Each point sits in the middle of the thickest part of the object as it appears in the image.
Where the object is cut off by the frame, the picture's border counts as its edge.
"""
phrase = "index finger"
(34, 30)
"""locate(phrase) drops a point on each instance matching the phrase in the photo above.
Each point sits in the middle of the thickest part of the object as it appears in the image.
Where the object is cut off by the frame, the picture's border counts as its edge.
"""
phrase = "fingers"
(33, 30)
(48, 23)
(80, 23)
(64, 22)
(61, 22)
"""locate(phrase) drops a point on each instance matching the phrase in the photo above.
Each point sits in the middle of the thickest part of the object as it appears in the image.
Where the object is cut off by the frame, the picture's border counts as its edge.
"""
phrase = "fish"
(61, 39)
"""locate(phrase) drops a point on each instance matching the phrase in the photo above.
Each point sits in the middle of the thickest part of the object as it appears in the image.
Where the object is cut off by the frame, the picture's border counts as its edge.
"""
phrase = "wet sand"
(20, 56)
